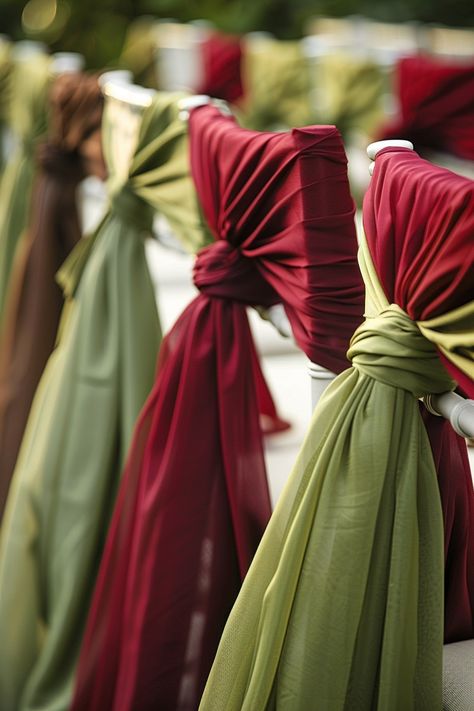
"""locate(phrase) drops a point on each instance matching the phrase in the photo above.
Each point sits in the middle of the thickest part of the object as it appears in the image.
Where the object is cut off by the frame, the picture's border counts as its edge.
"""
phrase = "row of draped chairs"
(141, 566)
(368, 78)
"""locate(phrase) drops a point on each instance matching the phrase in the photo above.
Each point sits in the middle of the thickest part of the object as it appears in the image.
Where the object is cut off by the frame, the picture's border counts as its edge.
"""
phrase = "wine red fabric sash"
(436, 105)
(222, 57)
(194, 500)
(409, 210)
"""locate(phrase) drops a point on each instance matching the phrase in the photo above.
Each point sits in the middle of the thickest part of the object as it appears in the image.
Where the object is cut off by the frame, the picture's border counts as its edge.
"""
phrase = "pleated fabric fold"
(194, 501)
(82, 418)
(342, 607)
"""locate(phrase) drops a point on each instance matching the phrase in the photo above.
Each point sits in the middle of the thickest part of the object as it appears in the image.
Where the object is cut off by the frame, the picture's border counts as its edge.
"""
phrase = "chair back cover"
(276, 84)
(194, 499)
(349, 93)
(343, 602)
(222, 67)
(34, 300)
(82, 418)
(436, 105)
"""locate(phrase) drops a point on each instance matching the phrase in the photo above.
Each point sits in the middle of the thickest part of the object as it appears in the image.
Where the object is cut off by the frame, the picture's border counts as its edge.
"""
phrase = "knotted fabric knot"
(132, 209)
(391, 349)
(222, 271)
(59, 162)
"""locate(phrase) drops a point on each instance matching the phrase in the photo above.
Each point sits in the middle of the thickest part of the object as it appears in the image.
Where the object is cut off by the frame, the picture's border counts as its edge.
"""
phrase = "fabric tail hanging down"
(342, 607)
(194, 500)
(28, 86)
(82, 418)
(34, 300)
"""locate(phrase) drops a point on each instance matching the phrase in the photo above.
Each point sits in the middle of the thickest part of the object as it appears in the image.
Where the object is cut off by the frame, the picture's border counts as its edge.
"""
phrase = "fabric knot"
(222, 271)
(391, 349)
(132, 209)
(59, 163)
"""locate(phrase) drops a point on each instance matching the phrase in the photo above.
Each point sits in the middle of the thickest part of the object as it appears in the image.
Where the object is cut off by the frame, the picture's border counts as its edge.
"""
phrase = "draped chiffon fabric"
(194, 501)
(342, 607)
(34, 300)
(436, 98)
(83, 415)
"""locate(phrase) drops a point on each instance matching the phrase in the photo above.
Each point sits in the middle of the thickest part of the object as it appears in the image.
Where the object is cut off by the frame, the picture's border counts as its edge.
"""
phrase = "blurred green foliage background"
(96, 28)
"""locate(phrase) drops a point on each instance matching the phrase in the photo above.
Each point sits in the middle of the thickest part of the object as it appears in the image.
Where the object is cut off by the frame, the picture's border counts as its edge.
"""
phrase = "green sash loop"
(132, 209)
(391, 349)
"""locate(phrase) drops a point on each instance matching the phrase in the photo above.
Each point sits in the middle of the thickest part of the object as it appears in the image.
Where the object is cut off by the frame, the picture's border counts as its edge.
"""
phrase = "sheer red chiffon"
(402, 229)
(436, 105)
(194, 501)
(222, 58)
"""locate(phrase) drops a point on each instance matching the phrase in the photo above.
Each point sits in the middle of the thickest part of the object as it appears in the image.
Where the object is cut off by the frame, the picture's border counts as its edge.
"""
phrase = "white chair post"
(115, 76)
(458, 410)
(179, 63)
(27, 49)
(374, 148)
(320, 379)
(67, 62)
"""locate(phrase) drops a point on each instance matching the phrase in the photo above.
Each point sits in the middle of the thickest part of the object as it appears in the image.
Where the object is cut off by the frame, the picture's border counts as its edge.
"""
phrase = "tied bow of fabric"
(391, 349)
(221, 271)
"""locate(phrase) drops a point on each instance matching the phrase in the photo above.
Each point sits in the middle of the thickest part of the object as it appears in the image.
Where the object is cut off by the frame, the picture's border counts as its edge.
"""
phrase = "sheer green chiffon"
(82, 421)
(29, 80)
(5, 93)
(342, 609)
(349, 93)
(276, 80)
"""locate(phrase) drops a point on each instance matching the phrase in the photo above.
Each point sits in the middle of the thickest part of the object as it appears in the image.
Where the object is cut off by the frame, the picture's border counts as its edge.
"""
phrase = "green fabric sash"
(5, 93)
(82, 420)
(342, 609)
(29, 80)
(276, 82)
(349, 92)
